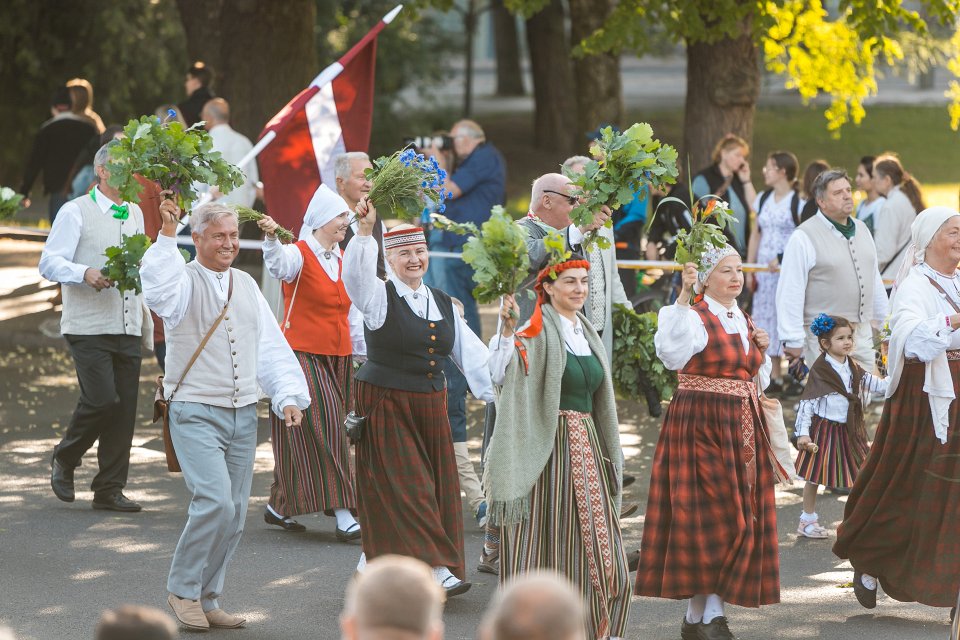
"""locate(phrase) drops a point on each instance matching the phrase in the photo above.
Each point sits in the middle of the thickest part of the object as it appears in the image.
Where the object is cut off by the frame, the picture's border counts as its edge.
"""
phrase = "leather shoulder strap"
(950, 301)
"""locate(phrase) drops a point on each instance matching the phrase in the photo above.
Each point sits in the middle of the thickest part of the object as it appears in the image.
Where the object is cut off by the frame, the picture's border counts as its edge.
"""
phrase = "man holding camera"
(477, 184)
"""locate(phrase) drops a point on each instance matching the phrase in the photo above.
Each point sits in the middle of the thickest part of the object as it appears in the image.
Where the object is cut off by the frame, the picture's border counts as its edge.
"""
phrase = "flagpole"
(324, 78)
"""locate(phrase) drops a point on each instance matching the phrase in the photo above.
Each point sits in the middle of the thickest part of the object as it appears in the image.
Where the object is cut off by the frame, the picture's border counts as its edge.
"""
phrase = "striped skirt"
(574, 528)
(312, 468)
(838, 458)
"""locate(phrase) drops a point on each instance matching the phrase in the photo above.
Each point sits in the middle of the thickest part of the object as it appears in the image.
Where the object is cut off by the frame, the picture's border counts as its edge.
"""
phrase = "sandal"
(812, 530)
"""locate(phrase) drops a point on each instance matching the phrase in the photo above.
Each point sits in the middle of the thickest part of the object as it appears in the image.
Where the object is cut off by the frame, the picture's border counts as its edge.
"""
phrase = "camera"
(443, 143)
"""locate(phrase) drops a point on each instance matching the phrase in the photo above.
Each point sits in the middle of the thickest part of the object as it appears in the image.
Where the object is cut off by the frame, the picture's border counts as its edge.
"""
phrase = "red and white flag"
(331, 116)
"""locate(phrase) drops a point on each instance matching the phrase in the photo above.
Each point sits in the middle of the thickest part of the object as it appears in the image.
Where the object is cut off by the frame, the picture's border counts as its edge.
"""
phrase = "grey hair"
(341, 163)
(825, 178)
(575, 160)
(470, 128)
(205, 215)
(103, 155)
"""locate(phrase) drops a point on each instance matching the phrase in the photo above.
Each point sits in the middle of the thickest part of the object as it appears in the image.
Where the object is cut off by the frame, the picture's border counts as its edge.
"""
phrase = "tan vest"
(225, 374)
(843, 280)
(86, 311)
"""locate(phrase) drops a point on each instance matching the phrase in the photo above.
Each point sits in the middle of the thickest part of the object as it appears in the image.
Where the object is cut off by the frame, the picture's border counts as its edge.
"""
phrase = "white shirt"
(369, 294)
(56, 261)
(234, 146)
(799, 257)
(168, 291)
(681, 334)
(934, 335)
(834, 406)
(501, 348)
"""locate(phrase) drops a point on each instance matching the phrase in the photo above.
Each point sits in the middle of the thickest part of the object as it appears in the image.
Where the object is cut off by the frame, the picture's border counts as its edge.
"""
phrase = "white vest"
(86, 311)
(225, 373)
(843, 279)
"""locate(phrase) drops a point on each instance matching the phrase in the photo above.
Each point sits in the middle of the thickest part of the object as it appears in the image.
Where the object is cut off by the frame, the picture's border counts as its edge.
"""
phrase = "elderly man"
(830, 266)
(395, 598)
(478, 183)
(536, 606)
(223, 346)
(103, 329)
(233, 146)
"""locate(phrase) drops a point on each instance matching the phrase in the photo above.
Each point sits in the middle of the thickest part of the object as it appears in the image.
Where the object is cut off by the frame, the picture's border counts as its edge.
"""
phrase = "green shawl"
(528, 409)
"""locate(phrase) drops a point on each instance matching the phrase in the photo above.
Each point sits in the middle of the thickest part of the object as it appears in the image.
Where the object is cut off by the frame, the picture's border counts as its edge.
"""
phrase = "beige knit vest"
(225, 374)
(842, 282)
(86, 311)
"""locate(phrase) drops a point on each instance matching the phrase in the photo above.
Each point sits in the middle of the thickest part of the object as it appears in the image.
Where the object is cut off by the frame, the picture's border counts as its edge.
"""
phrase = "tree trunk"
(509, 74)
(723, 84)
(599, 92)
(469, 29)
(201, 25)
(554, 107)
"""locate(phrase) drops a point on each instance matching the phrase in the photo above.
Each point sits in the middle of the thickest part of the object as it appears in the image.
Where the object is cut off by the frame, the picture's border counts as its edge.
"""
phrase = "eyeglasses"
(571, 200)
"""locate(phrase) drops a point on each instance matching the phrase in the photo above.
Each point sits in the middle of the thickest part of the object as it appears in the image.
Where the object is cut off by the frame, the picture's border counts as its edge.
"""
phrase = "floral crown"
(822, 325)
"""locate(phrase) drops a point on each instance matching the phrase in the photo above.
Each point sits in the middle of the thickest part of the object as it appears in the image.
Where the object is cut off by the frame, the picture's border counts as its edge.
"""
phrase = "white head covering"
(922, 231)
(709, 261)
(325, 205)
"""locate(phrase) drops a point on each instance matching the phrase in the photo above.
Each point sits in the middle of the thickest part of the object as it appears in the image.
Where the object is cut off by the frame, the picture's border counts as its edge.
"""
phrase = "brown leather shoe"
(220, 619)
(188, 612)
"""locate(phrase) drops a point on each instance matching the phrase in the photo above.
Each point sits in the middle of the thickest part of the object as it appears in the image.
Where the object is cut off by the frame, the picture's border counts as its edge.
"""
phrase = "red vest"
(319, 322)
(723, 357)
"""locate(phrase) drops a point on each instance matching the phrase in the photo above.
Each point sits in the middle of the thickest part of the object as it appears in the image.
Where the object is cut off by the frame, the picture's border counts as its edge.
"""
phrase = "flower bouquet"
(9, 203)
(246, 214)
(123, 262)
(622, 164)
(174, 157)
(497, 252)
(406, 182)
(636, 366)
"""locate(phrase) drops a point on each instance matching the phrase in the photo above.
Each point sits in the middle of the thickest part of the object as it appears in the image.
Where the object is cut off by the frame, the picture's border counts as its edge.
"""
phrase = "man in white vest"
(213, 397)
(830, 266)
(103, 329)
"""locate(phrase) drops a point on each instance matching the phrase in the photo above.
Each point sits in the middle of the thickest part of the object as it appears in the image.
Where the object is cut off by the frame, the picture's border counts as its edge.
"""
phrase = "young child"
(830, 432)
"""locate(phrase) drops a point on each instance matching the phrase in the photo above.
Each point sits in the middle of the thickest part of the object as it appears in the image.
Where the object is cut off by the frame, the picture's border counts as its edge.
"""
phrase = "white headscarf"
(709, 261)
(325, 205)
(922, 231)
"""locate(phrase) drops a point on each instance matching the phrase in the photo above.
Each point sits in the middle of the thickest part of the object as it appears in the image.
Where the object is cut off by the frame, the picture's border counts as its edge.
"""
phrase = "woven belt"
(746, 390)
(953, 354)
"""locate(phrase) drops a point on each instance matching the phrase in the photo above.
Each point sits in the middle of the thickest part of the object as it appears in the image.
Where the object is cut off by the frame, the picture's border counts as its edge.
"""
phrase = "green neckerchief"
(120, 211)
(846, 229)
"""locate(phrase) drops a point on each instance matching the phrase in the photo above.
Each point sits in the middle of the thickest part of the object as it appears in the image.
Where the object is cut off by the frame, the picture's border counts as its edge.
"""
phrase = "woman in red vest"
(710, 533)
(312, 468)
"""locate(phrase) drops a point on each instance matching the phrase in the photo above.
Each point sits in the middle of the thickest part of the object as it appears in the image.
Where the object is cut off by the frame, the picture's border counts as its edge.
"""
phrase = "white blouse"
(934, 335)
(834, 406)
(501, 348)
(681, 334)
(284, 261)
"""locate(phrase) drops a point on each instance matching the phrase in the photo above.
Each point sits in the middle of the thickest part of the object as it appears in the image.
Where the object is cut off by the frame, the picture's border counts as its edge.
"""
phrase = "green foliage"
(123, 262)
(404, 183)
(246, 214)
(9, 203)
(175, 157)
(497, 252)
(556, 246)
(622, 164)
(636, 366)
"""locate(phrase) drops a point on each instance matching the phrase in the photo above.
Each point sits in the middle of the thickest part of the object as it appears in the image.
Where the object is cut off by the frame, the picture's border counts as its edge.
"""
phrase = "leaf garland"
(246, 214)
(123, 262)
(406, 182)
(622, 164)
(9, 203)
(497, 252)
(636, 366)
(170, 155)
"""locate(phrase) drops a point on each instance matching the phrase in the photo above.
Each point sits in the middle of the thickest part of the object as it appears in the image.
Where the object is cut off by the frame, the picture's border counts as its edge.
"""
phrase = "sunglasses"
(571, 200)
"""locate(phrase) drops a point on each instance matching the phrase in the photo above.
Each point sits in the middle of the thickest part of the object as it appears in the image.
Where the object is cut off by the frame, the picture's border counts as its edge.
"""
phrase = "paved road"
(61, 564)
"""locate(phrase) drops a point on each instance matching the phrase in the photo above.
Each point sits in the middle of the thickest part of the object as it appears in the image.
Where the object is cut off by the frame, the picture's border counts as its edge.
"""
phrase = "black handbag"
(353, 423)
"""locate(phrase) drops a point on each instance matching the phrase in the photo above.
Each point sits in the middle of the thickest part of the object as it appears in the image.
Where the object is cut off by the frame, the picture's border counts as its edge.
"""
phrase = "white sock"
(345, 519)
(274, 511)
(713, 608)
(363, 562)
(808, 517)
(440, 574)
(868, 581)
(695, 608)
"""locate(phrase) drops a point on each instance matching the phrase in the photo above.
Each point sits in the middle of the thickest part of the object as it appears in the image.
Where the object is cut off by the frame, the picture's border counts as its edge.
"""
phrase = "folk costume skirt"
(839, 457)
(312, 468)
(706, 531)
(574, 528)
(408, 489)
(902, 519)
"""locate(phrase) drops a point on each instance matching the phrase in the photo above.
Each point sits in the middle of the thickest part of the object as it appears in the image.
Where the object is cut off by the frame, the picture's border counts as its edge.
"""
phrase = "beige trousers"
(469, 482)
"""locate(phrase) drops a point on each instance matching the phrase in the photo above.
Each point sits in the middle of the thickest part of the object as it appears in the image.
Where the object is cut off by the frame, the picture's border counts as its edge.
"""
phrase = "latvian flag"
(331, 116)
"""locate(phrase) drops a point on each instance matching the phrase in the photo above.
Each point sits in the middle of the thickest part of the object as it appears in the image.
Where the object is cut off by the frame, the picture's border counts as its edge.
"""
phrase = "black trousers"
(108, 369)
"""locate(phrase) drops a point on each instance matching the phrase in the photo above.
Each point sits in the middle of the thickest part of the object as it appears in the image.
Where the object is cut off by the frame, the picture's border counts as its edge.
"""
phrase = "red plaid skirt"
(704, 530)
(902, 519)
(408, 490)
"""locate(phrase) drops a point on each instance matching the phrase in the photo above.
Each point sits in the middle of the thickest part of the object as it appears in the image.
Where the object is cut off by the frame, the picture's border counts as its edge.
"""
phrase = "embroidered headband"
(709, 260)
(404, 238)
(535, 325)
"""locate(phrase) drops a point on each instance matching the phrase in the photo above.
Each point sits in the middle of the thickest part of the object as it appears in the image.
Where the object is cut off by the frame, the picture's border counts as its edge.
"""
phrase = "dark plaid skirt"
(838, 459)
(704, 530)
(902, 519)
(408, 490)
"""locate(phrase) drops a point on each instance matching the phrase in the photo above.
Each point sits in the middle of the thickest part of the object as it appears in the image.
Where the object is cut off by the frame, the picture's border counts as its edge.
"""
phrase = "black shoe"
(953, 614)
(456, 588)
(866, 597)
(116, 502)
(633, 563)
(839, 491)
(628, 480)
(688, 630)
(716, 630)
(344, 536)
(773, 387)
(287, 524)
(61, 480)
